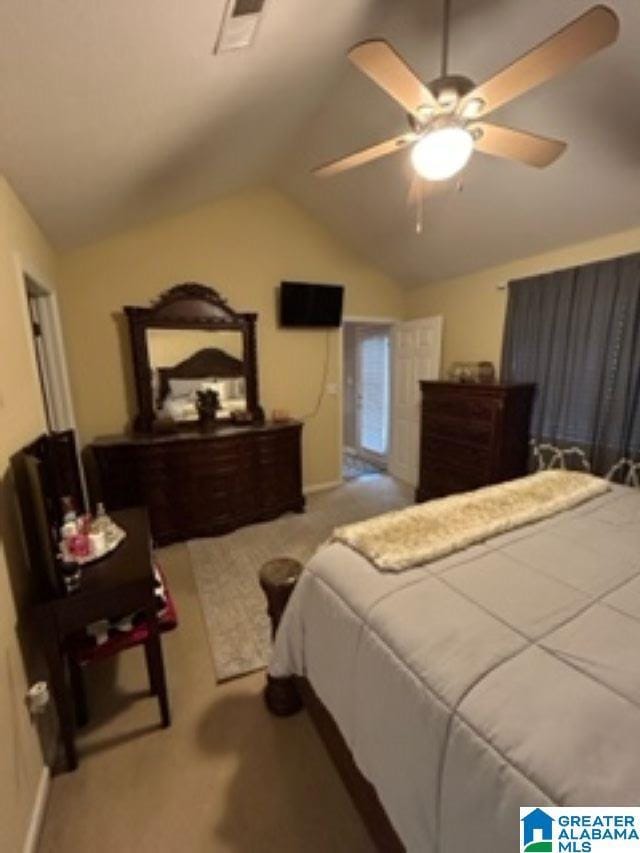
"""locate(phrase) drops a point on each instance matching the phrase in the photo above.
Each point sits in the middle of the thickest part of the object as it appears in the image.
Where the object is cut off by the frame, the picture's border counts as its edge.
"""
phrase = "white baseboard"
(321, 487)
(37, 812)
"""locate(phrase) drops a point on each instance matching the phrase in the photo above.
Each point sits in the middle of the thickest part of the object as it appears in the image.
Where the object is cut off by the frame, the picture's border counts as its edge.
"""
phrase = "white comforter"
(507, 674)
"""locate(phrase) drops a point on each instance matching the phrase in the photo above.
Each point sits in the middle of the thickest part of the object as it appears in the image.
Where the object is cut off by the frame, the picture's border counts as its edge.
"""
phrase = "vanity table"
(121, 582)
(198, 480)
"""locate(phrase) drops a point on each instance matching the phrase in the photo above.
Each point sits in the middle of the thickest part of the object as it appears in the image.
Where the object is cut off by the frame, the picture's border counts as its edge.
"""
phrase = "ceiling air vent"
(239, 24)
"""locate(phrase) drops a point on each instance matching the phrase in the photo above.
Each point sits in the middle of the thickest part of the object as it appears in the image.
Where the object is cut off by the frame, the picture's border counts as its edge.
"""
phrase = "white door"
(372, 391)
(417, 347)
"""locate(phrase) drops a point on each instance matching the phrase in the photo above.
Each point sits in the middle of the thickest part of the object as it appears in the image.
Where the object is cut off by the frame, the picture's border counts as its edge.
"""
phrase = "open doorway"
(49, 355)
(366, 398)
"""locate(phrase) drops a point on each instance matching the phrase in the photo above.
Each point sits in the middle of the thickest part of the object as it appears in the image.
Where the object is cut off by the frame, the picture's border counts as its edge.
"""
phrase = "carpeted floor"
(225, 567)
(227, 777)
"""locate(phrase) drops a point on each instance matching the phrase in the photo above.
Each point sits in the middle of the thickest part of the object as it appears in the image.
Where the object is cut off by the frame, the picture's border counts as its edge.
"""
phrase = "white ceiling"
(113, 113)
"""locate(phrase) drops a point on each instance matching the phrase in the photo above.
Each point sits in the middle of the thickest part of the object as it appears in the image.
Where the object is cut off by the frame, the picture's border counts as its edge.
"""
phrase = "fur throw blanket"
(420, 534)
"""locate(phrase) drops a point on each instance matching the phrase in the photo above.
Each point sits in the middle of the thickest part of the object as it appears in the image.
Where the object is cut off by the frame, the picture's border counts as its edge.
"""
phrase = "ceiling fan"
(444, 116)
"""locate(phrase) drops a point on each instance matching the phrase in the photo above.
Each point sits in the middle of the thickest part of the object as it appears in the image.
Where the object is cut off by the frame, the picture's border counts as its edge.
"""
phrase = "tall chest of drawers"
(472, 436)
(203, 484)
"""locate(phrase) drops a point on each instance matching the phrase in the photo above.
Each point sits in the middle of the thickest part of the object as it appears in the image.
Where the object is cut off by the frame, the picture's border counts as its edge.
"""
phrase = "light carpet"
(226, 567)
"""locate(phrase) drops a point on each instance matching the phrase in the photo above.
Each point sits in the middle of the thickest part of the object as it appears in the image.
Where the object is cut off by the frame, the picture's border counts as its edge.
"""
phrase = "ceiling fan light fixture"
(443, 152)
(443, 115)
(448, 99)
(473, 108)
(425, 111)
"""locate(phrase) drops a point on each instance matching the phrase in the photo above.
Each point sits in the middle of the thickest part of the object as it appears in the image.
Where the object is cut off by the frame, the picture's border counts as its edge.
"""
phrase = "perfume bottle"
(104, 524)
(71, 574)
(101, 520)
(69, 518)
(98, 531)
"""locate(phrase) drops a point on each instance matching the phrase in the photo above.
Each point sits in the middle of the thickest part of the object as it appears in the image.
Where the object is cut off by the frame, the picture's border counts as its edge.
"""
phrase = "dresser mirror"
(189, 342)
(185, 361)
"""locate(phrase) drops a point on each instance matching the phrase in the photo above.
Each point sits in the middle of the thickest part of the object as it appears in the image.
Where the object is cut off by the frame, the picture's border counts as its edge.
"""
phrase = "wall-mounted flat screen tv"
(310, 305)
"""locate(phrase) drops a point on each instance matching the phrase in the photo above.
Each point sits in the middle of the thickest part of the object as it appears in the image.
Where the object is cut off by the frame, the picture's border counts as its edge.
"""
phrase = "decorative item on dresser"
(472, 371)
(472, 435)
(199, 475)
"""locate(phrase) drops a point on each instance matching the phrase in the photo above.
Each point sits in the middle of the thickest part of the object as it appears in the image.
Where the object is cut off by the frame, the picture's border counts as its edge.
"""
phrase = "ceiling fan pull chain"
(419, 209)
(446, 10)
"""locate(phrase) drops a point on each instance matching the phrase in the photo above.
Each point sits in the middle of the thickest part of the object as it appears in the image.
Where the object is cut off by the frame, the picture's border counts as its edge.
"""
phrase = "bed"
(175, 387)
(503, 675)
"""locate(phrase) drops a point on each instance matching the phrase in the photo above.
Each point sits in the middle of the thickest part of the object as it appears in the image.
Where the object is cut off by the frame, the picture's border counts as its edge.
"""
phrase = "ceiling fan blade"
(365, 155)
(379, 61)
(588, 34)
(517, 144)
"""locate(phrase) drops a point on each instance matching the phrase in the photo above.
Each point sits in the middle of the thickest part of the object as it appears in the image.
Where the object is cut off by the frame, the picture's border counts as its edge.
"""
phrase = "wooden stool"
(278, 579)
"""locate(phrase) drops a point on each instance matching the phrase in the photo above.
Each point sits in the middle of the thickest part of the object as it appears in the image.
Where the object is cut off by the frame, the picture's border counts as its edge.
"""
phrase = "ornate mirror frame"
(188, 306)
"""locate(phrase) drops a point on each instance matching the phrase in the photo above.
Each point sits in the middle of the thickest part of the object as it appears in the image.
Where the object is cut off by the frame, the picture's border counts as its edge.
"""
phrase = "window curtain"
(576, 334)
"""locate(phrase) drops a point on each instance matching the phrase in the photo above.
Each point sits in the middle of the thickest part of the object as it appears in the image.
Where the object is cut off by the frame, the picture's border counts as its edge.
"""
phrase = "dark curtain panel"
(576, 334)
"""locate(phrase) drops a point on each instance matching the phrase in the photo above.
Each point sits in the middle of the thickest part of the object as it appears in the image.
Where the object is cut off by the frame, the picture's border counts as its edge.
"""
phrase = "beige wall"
(21, 420)
(473, 307)
(243, 246)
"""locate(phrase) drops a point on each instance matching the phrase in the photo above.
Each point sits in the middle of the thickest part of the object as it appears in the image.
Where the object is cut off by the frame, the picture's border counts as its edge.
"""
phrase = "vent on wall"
(239, 25)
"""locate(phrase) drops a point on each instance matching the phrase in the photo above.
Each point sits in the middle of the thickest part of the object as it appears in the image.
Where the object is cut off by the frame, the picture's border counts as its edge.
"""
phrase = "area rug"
(226, 567)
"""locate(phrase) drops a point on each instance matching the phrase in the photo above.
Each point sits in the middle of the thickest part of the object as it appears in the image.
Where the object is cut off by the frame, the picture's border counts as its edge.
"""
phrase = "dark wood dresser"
(472, 436)
(203, 483)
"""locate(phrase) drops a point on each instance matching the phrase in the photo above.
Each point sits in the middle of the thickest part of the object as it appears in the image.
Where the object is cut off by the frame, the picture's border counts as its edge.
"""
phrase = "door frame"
(352, 318)
(50, 321)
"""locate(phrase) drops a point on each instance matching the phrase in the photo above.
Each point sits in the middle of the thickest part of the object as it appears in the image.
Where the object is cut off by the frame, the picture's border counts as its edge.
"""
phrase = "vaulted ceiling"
(114, 113)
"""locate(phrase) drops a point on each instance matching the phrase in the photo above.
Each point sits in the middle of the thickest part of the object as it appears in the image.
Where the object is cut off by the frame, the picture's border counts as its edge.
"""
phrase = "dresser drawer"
(439, 479)
(471, 436)
(469, 408)
(205, 484)
(478, 432)
(458, 454)
(212, 453)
